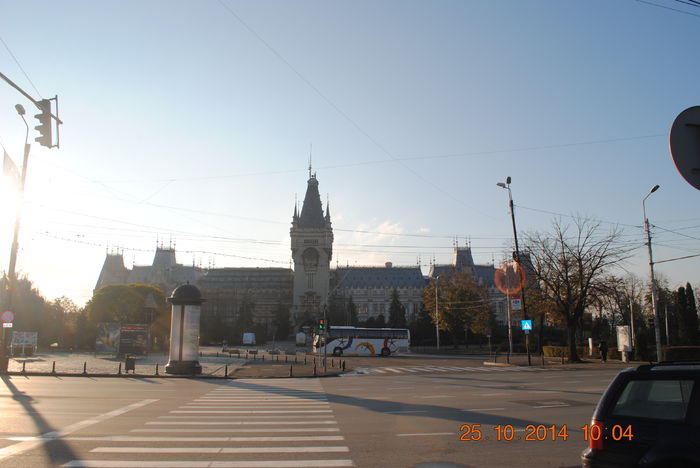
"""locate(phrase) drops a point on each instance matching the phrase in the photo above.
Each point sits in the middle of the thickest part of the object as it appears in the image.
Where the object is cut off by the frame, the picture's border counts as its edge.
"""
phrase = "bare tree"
(570, 264)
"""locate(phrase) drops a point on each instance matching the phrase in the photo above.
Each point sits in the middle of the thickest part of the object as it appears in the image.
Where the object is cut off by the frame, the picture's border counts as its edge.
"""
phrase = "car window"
(655, 399)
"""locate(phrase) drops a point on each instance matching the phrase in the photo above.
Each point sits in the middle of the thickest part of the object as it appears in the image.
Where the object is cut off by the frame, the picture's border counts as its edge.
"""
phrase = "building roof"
(312, 210)
(380, 277)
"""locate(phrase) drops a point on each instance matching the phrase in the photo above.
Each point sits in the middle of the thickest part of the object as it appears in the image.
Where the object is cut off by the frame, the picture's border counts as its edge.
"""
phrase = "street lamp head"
(20, 109)
(654, 188)
(501, 184)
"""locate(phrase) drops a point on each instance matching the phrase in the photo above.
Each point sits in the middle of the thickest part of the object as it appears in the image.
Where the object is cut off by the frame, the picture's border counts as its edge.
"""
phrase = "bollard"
(285, 358)
(53, 367)
(85, 368)
(23, 368)
(119, 372)
(156, 369)
(291, 374)
(263, 357)
(226, 371)
(314, 368)
(295, 358)
(343, 366)
(304, 358)
(217, 354)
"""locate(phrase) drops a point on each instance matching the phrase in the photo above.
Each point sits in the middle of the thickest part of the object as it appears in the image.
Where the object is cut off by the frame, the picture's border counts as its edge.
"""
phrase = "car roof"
(669, 366)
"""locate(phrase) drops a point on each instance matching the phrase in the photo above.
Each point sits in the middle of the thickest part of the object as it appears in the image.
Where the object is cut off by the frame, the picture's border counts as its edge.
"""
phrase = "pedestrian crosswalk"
(243, 423)
(449, 369)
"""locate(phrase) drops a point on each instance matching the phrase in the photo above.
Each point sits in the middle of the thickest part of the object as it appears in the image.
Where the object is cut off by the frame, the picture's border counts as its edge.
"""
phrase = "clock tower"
(312, 249)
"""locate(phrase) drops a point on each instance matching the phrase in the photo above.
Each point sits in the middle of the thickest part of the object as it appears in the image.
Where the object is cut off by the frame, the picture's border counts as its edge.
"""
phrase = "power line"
(668, 8)
(20, 67)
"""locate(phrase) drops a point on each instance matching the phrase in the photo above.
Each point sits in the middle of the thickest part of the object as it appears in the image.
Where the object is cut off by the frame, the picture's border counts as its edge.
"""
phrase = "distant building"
(462, 260)
(164, 273)
(371, 289)
(303, 290)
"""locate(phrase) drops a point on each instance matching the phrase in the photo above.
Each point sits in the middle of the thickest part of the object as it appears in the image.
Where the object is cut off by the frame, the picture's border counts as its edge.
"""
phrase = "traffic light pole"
(11, 275)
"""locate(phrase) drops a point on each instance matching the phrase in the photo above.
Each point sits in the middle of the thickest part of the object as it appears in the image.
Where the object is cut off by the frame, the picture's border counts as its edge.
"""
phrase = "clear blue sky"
(194, 120)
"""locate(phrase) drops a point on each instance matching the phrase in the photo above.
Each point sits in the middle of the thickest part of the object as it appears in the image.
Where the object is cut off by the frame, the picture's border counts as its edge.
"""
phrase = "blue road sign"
(526, 324)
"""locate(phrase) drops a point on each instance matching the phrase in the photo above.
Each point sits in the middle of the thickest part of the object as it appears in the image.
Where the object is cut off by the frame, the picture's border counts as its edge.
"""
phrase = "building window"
(310, 281)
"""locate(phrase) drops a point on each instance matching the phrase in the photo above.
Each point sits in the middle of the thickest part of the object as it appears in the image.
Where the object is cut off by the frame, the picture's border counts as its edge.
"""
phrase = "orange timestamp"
(540, 432)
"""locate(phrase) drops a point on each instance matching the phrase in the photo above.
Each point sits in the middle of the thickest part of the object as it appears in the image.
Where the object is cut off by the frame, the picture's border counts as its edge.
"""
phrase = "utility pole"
(45, 118)
(437, 314)
(517, 259)
(654, 293)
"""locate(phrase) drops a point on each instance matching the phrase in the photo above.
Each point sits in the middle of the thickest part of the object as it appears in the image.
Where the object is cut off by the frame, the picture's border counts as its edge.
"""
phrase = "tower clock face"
(310, 259)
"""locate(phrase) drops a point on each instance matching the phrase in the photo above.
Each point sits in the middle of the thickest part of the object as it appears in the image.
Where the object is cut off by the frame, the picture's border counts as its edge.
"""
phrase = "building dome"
(186, 294)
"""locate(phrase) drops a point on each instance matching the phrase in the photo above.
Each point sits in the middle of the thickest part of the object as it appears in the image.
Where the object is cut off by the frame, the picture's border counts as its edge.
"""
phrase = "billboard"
(107, 338)
(133, 339)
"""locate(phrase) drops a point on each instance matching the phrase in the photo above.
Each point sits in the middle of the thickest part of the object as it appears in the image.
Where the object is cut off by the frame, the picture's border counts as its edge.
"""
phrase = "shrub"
(681, 353)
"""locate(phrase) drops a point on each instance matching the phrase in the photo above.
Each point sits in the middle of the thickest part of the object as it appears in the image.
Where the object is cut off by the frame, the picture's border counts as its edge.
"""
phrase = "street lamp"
(654, 298)
(437, 315)
(517, 258)
(15, 246)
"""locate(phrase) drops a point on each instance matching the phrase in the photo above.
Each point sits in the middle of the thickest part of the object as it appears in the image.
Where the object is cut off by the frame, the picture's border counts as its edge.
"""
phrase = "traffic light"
(44, 126)
(321, 324)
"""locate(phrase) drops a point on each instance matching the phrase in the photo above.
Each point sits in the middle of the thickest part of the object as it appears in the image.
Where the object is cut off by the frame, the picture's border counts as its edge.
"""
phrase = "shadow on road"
(60, 452)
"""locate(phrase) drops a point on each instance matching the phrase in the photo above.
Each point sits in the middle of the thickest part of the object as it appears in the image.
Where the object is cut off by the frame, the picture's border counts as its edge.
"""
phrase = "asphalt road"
(389, 413)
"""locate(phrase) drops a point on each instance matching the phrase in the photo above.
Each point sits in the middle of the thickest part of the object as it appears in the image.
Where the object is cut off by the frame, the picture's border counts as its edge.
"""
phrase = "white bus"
(354, 341)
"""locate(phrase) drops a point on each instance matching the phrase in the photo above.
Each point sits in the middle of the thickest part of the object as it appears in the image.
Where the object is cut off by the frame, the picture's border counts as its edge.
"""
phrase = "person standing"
(603, 348)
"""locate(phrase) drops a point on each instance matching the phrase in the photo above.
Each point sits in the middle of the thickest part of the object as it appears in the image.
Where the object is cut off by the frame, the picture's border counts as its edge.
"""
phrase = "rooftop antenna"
(310, 152)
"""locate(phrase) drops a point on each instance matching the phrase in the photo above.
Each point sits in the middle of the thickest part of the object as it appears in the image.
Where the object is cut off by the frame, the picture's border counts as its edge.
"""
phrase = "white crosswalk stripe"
(434, 369)
(276, 422)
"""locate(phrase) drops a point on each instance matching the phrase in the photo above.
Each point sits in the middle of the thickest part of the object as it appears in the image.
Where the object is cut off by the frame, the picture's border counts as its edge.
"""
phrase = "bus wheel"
(338, 351)
(386, 351)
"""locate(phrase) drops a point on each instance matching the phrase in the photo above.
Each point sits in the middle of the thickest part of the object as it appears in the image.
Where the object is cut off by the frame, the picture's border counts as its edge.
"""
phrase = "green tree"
(352, 312)
(124, 303)
(244, 322)
(397, 311)
(281, 322)
(463, 304)
(692, 310)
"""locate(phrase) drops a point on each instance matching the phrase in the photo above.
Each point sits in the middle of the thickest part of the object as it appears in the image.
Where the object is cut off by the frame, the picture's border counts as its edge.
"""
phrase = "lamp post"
(11, 280)
(517, 258)
(437, 315)
(654, 297)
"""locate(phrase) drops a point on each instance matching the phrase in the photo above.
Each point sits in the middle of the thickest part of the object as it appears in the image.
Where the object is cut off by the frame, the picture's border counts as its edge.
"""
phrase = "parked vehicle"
(648, 417)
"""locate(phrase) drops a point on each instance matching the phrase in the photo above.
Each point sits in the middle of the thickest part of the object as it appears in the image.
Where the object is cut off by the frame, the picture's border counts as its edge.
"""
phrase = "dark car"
(648, 417)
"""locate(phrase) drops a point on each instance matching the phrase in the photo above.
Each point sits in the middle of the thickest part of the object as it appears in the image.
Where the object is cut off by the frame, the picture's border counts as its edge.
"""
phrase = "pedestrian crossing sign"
(526, 324)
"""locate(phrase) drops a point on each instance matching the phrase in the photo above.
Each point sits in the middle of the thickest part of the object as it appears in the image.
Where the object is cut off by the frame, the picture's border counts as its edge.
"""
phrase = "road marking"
(492, 394)
(406, 412)
(437, 396)
(238, 423)
(251, 412)
(391, 370)
(29, 444)
(572, 381)
(484, 409)
(330, 449)
(315, 416)
(190, 430)
(295, 405)
(208, 464)
(551, 406)
(202, 439)
(425, 434)
(378, 371)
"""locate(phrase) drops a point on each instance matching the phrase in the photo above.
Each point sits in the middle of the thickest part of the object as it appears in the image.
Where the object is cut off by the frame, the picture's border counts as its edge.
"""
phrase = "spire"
(312, 211)
(328, 209)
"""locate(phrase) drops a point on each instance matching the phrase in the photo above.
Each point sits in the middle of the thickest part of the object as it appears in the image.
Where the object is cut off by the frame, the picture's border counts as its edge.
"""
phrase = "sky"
(191, 124)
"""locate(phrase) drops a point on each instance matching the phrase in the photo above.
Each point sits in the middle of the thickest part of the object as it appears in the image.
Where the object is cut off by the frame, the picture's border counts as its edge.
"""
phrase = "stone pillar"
(184, 331)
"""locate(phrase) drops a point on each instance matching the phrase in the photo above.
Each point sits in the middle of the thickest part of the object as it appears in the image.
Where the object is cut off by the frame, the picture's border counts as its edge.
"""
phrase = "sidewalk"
(213, 362)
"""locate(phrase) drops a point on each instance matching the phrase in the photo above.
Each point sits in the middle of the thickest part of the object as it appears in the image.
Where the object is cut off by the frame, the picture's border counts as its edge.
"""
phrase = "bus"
(354, 341)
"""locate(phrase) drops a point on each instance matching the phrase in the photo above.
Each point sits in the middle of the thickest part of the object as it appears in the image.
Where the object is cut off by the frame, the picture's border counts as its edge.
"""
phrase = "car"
(649, 417)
